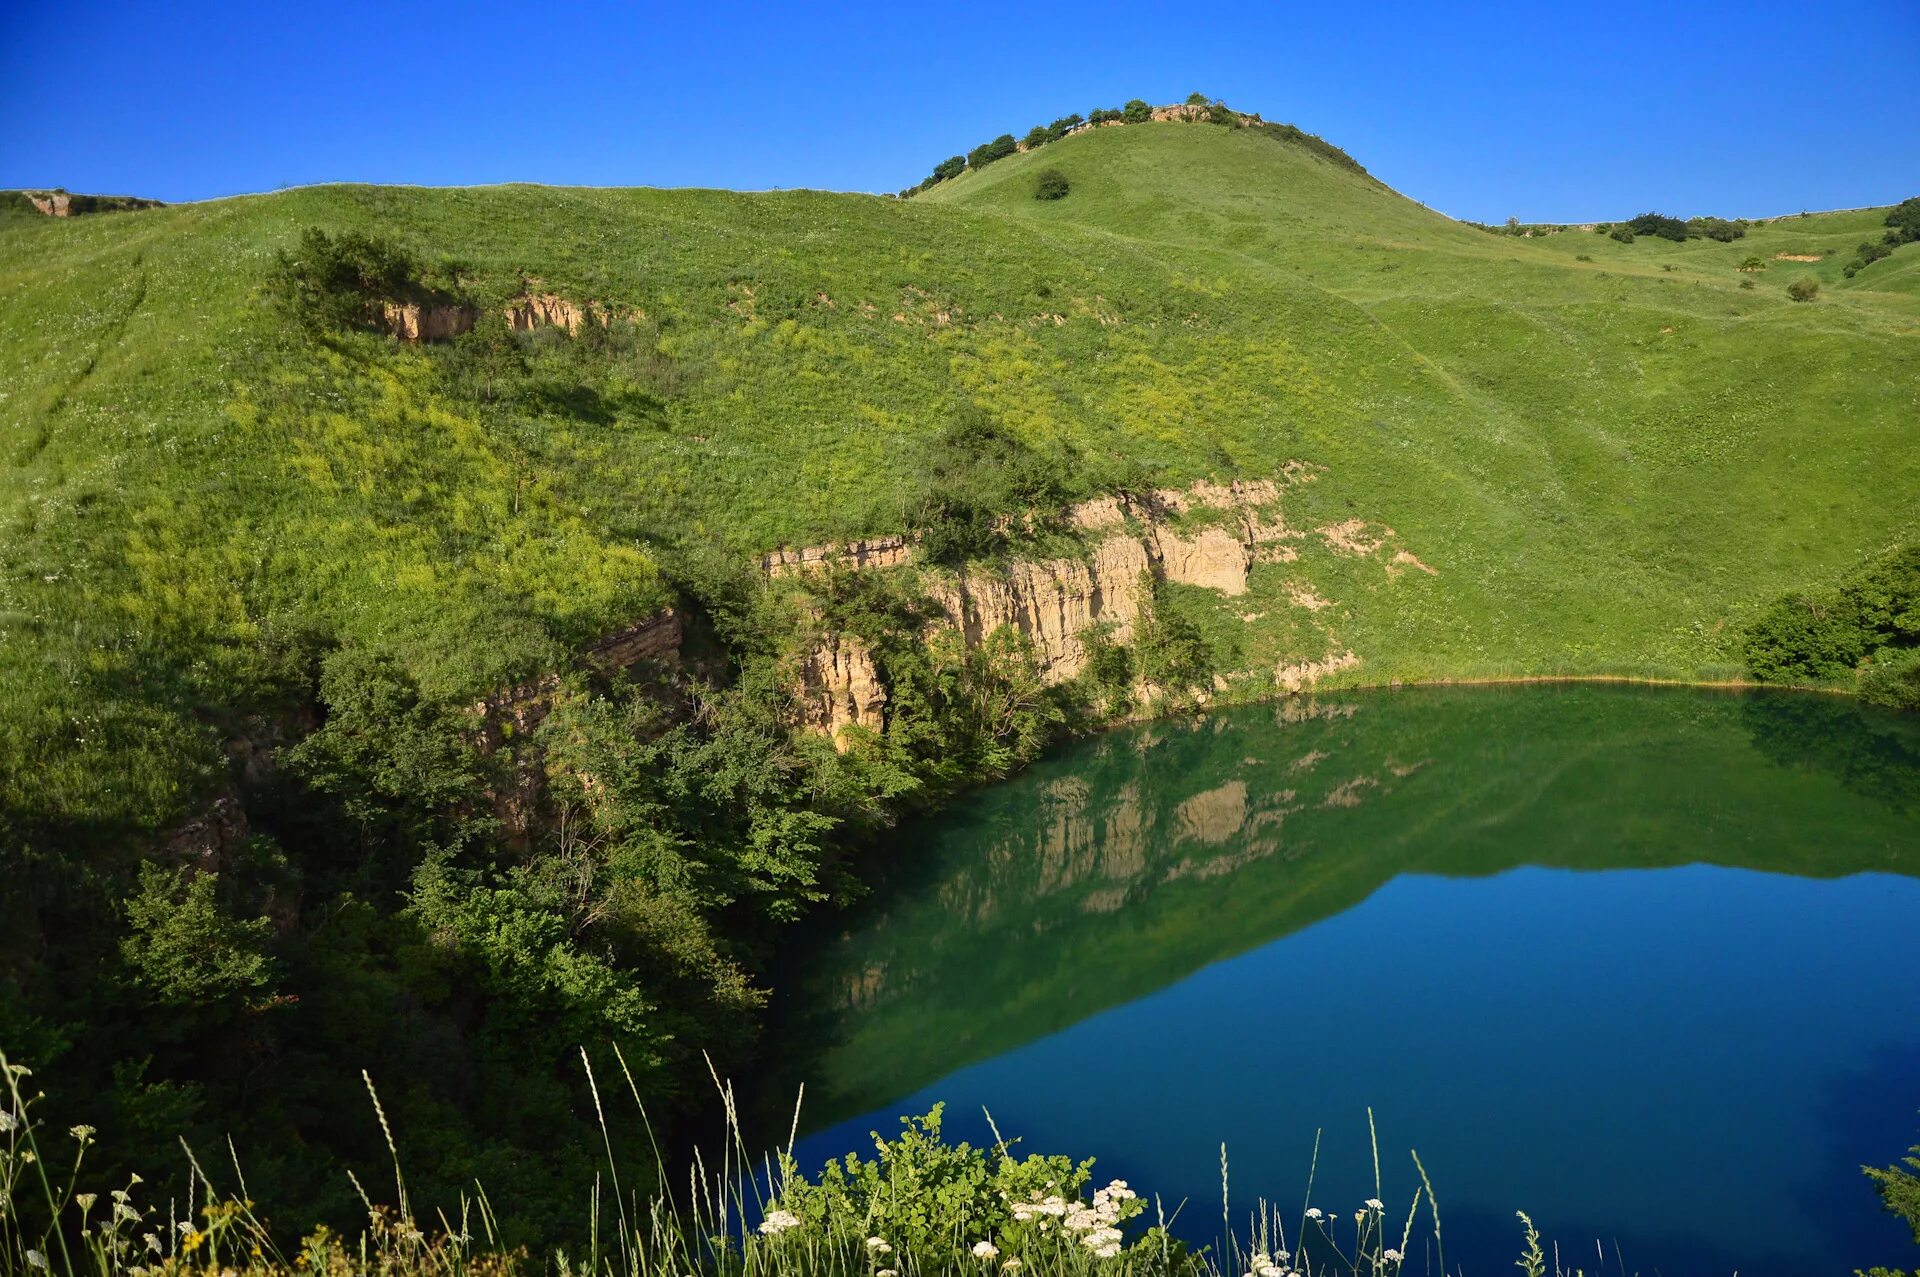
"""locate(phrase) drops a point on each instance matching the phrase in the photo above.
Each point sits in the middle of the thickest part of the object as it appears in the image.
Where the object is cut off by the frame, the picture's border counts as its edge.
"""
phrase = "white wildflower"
(985, 1250)
(779, 1221)
(879, 1245)
(1391, 1256)
(7, 1121)
(1012, 1265)
(86, 1200)
(36, 1260)
(153, 1242)
(1314, 1212)
(83, 1133)
(1374, 1203)
(887, 1272)
(1108, 1251)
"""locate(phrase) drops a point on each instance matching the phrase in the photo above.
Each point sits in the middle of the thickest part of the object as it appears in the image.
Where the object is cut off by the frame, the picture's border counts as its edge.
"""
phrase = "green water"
(1643, 963)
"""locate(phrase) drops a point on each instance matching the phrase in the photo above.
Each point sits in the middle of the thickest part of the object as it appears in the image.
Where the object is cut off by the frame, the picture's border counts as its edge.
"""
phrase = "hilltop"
(486, 677)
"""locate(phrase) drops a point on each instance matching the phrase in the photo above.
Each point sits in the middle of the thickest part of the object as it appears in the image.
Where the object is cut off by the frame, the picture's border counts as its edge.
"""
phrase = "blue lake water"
(1643, 964)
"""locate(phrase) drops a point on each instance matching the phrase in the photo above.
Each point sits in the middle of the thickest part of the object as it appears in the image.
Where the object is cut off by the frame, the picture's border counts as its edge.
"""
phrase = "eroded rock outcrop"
(430, 321)
(550, 310)
(874, 552)
(840, 687)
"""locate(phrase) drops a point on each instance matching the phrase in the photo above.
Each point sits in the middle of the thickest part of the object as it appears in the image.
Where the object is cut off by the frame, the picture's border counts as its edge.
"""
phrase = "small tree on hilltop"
(1137, 112)
(1036, 136)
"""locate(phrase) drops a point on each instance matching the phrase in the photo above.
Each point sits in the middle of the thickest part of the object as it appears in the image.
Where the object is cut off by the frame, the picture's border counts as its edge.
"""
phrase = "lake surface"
(1643, 963)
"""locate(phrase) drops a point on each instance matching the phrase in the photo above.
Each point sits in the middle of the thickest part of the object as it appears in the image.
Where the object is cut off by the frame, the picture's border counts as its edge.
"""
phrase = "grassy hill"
(1609, 455)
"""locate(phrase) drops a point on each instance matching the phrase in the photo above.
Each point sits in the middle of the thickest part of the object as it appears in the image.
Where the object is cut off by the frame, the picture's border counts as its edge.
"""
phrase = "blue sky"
(1545, 111)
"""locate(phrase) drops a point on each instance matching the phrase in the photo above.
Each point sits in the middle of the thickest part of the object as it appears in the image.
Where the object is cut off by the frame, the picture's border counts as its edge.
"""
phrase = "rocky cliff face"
(840, 687)
(549, 310)
(1056, 603)
(410, 321)
(874, 552)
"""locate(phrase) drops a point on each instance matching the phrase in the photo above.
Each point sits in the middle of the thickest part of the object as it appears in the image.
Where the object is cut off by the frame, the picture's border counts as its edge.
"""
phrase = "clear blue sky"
(1545, 111)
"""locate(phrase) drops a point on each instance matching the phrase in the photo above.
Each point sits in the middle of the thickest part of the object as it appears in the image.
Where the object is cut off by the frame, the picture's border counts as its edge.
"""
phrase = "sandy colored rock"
(841, 688)
(1299, 677)
(410, 321)
(874, 552)
(1212, 557)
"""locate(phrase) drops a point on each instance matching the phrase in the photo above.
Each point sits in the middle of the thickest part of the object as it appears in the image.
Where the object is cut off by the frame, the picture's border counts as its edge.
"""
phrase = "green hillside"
(257, 567)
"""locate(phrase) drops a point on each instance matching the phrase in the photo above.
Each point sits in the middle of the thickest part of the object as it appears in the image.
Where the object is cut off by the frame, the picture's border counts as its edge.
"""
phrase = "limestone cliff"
(840, 687)
(413, 321)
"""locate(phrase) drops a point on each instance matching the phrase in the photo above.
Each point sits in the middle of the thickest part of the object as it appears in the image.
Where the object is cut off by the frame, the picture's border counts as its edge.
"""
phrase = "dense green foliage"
(1050, 184)
(1868, 624)
(307, 763)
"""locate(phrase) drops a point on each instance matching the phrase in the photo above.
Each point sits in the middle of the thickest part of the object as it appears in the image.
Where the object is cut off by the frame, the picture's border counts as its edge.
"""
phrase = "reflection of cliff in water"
(1124, 863)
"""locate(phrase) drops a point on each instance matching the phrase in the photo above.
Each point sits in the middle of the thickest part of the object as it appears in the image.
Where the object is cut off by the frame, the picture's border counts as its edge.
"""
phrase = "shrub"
(1582, 257)
(1716, 228)
(1063, 126)
(1804, 289)
(976, 477)
(1904, 218)
(951, 167)
(988, 152)
(1659, 225)
(1873, 614)
(1050, 184)
(1894, 681)
(1753, 262)
(340, 280)
(1622, 234)
(1036, 136)
(1136, 112)
(1101, 114)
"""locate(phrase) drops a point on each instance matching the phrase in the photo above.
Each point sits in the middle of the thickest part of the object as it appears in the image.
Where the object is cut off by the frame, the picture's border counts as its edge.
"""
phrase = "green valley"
(436, 707)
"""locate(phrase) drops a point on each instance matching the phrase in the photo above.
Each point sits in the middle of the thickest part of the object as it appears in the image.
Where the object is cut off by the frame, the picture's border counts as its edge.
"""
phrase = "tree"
(1659, 224)
(1063, 126)
(1050, 184)
(1905, 219)
(988, 152)
(185, 948)
(1136, 112)
(1036, 136)
(951, 167)
(1196, 99)
(1899, 1189)
(1804, 289)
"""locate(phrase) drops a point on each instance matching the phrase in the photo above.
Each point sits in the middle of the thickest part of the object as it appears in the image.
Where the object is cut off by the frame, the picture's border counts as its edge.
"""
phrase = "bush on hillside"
(1050, 184)
(1872, 615)
(988, 152)
(951, 167)
(982, 487)
(1660, 225)
(1622, 234)
(1893, 681)
(1804, 289)
(1136, 111)
(1753, 262)
(1063, 126)
(340, 280)
(1036, 136)
(1716, 228)
(1904, 218)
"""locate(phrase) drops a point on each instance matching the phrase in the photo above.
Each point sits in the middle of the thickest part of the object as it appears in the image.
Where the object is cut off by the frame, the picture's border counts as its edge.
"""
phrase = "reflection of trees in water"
(1873, 752)
(1124, 863)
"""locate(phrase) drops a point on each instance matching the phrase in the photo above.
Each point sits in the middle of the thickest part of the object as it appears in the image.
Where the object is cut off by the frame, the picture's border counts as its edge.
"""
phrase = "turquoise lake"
(1643, 963)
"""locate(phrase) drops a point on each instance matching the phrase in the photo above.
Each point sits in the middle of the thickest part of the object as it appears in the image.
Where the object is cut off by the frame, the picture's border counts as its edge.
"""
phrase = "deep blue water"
(1683, 1059)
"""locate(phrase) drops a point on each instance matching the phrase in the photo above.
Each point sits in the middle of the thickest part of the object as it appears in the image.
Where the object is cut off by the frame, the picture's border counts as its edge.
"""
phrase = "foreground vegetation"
(917, 1204)
(308, 762)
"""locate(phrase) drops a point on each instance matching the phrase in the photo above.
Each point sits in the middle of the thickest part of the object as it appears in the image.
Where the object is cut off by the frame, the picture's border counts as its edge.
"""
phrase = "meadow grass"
(948, 1208)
